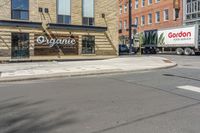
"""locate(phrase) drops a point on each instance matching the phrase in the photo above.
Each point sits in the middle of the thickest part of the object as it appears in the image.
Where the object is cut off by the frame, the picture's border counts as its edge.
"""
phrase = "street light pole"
(130, 26)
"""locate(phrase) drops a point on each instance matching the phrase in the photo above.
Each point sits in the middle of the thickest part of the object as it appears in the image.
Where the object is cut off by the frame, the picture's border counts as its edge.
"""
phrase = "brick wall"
(153, 8)
(5, 10)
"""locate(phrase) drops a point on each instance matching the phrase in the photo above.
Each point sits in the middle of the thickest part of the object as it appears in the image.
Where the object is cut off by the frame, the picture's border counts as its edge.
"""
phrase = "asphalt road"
(143, 102)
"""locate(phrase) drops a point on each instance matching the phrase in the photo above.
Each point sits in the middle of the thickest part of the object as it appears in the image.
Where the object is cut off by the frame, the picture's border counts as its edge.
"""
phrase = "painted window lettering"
(52, 42)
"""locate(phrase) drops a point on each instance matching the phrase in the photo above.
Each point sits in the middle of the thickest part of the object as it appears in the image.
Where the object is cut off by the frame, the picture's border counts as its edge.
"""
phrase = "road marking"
(190, 88)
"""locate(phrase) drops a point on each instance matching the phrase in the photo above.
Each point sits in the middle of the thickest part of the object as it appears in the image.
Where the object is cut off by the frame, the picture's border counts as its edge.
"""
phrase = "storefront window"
(64, 11)
(20, 9)
(20, 45)
(88, 44)
(88, 12)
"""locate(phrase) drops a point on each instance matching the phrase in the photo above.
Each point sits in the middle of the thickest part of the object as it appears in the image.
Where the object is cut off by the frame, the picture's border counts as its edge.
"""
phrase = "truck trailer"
(184, 40)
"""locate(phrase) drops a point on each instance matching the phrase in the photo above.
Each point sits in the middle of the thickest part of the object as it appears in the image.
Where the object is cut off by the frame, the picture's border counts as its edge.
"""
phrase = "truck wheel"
(197, 53)
(179, 51)
(188, 51)
(158, 50)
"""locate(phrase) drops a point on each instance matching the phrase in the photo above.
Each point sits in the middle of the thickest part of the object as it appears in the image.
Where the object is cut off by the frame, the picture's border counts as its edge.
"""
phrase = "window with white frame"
(143, 3)
(125, 8)
(136, 4)
(120, 25)
(120, 9)
(157, 1)
(150, 2)
(136, 21)
(157, 17)
(166, 14)
(150, 18)
(125, 24)
(143, 20)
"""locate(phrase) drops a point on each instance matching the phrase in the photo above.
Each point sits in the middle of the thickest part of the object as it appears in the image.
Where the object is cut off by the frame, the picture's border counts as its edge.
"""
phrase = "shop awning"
(54, 26)
(26, 24)
(51, 26)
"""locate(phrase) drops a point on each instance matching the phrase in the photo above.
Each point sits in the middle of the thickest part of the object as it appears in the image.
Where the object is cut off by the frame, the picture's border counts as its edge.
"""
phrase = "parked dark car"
(123, 48)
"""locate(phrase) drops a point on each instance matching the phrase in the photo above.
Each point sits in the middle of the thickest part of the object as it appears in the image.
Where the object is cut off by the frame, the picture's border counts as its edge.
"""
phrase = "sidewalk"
(39, 70)
(55, 58)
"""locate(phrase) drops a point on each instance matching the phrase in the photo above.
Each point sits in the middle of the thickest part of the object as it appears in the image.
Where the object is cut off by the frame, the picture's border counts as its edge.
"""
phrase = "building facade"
(150, 15)
(191, 12)
(58, 28)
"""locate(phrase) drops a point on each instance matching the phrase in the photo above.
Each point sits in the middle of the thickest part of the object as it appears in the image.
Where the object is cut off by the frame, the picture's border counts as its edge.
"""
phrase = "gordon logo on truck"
(179, 34)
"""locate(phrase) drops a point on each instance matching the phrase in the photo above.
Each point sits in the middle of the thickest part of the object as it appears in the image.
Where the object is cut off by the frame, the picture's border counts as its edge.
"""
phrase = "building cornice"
(55, 26)
(23, 24)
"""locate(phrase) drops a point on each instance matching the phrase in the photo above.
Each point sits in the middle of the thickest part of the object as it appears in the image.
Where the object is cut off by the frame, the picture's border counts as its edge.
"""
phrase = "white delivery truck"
(182, 40)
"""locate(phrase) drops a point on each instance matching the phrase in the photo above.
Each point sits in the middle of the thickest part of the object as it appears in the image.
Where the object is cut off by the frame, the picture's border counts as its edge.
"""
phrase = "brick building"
(58, 28)
(150, 14)
(191, 12)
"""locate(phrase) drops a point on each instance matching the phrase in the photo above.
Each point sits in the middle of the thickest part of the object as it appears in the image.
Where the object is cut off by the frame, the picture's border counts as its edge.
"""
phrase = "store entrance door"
(88, 45)
(20, 45)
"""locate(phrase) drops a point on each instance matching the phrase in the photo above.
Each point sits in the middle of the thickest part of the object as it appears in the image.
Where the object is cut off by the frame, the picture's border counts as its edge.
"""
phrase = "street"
(154, 101)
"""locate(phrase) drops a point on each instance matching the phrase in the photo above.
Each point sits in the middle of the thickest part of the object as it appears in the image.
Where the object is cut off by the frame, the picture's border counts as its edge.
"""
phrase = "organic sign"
(56, 44)
(42, 40)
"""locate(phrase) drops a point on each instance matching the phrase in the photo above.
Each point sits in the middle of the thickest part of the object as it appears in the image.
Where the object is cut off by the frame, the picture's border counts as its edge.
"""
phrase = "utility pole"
(130, 26)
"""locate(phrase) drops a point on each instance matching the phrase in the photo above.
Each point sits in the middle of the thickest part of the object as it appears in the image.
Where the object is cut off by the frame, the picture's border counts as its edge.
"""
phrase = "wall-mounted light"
(103, 15)
(46, 10)
(40, 9)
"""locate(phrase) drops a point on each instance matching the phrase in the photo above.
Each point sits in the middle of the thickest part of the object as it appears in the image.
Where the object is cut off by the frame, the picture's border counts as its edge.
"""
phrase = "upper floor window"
(125, 8)
(192, 10)
(150, 18)
(136, 4)
(20, 9)
(166, 14)
(176, 13)
(143, 3)
(136, 21)
(143, 20)
(157, 1)
(120, 9)
(88, 12)
(64, 11)
(120, 25)
(150, 2)
(157, 17)
(125, 24)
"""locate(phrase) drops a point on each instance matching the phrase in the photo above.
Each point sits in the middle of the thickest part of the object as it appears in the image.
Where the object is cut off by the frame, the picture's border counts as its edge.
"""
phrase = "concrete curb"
(88, 73)
(6, 61)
